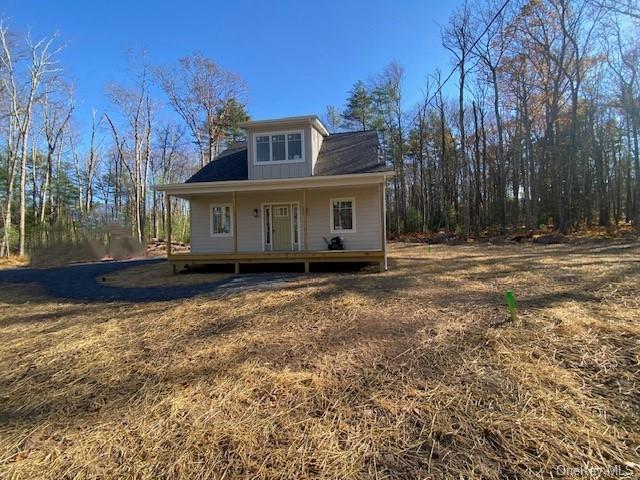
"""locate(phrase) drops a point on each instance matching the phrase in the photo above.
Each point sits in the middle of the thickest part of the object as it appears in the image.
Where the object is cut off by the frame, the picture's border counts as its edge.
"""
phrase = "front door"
(281, 227)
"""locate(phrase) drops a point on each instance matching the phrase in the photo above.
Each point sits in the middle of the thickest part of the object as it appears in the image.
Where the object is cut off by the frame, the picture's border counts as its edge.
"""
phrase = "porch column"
(235, 223)
(167, 222)
(383, 225)
(304, 210)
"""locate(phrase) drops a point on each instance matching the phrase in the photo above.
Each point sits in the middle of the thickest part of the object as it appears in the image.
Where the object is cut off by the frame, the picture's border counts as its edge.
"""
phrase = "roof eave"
(310, 119)
(317, 181)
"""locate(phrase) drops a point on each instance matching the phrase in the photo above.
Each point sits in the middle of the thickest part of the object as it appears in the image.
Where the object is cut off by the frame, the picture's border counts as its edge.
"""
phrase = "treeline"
(542, 128)
(537, 124)
(64, 178)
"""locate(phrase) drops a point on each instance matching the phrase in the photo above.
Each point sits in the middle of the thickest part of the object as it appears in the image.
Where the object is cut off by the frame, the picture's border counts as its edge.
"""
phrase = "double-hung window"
(221, 220)
(343, 215)
(279, 147)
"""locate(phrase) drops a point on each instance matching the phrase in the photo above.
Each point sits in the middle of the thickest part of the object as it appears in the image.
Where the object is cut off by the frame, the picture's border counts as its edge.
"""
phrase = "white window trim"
(263, 205)
(286, 147)
(211, 206)
(353, 214)
(263, 219)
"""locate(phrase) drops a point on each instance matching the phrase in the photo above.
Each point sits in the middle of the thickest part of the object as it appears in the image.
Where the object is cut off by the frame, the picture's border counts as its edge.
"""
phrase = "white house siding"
(367, 212)
(249, 227)
(201, 239)
(368, 223)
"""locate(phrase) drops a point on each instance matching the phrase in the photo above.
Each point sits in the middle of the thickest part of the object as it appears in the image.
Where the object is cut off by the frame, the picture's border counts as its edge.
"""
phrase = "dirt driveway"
(85, 282)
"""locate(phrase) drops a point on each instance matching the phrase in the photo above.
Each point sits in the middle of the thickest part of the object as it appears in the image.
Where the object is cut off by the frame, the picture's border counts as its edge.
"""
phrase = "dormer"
(284, 147)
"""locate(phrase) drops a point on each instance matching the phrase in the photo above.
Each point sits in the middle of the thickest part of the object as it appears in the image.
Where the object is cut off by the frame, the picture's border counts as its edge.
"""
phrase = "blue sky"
(296, 57)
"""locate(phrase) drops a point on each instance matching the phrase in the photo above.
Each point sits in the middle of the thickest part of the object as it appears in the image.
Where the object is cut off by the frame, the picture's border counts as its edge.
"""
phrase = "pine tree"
(359, 111)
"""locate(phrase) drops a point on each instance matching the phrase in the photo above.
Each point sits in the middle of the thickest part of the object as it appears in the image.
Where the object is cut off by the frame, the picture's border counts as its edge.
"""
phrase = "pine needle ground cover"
(159, 275)
(418, 372)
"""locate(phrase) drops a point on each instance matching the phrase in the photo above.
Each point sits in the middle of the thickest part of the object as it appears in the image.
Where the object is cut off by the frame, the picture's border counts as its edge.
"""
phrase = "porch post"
(383, 225)
(304, 209)
(235, 224)
(167, 223)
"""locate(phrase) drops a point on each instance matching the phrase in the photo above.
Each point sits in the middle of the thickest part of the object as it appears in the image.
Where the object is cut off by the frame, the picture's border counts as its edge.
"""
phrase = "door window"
(281, 211)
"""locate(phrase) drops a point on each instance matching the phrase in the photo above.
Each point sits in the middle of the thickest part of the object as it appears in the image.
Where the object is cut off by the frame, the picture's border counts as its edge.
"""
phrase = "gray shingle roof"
(340, 154)
(229, 165)
(351, 152)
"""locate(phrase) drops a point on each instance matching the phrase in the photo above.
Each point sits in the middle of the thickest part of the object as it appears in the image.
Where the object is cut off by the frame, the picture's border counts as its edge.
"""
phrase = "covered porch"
(252, 209)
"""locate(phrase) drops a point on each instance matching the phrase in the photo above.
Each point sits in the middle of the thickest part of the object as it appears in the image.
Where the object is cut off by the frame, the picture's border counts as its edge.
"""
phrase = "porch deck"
(304, 256)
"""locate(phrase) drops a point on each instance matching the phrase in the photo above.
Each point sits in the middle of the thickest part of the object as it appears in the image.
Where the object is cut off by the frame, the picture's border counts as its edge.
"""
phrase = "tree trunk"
(23, 181)
(500, 166)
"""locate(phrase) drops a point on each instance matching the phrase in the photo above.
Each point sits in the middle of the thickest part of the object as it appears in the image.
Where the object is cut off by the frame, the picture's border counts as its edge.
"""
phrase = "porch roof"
(186, 190)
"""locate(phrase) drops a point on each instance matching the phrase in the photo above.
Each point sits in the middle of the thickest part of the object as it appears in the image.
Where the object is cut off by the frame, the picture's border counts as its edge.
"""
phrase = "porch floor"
(304, 256)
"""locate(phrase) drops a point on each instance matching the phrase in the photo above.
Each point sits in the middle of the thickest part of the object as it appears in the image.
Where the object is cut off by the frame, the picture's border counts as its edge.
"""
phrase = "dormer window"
(279, 147)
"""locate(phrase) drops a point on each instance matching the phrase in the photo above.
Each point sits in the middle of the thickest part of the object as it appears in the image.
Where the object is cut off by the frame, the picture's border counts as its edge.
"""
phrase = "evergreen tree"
(359, 111)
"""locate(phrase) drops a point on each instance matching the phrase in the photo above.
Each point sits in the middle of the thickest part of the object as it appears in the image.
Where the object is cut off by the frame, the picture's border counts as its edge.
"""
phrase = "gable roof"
(340, 154)
(350, 152)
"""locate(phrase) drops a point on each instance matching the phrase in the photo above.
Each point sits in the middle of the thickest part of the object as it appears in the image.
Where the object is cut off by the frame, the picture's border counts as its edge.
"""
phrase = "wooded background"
(542, 130)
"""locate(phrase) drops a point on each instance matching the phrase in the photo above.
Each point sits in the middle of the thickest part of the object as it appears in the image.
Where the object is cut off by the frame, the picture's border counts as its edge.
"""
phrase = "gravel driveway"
(80, 282)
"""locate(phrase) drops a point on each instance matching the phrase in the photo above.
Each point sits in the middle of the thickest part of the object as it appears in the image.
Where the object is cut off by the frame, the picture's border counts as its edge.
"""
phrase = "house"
(282, 195)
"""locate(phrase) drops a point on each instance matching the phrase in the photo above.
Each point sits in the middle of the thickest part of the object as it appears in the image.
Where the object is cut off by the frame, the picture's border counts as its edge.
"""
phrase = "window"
(221, 222)
(267, 224)
(294, 146)
(279, 147)
(280, 211)
(295, 224)
(262, 149)
(342, 215)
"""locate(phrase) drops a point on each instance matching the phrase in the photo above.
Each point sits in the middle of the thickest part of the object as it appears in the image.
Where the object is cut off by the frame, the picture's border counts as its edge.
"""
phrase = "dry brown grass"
(13, 262)
(414, 373)
(158, 275)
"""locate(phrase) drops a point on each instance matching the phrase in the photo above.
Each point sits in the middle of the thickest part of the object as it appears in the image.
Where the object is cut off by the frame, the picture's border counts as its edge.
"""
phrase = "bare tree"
(623, 60)
(10, 91)
(386, 96)
(56, 114)
(92, 161)
(628, 8)
(207, 98)
(169, 164)
(456, 38)
(332, 119)
(24, 93)
(132, 140)
(490, 50)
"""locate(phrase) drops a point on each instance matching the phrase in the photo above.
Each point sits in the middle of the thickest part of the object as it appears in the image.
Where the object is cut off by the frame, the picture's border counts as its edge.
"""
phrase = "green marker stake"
(429, 249)
(511, 304)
